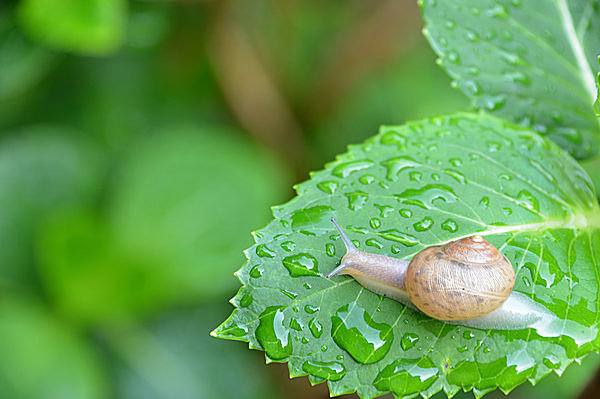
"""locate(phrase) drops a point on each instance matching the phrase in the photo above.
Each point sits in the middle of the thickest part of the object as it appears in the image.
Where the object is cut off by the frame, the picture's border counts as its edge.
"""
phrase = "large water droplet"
(528, 201)
(424, 224)
(311, 216)
(330, 249)
(328, 187)
(346, 168)
(246, 300)
(406, 376)
(459, 177)
(357, 333)
(384, 210)
(315, 328)
(256, 271)
(301, 265)
(273, 335)
(428, 195)
(311, 309)
(375, 223)
(494, 103)
(450, 225)
(356, 200)
(264, 252)
(288, 246)
(332, 371)
(409, 340)
(398, 236)
(396, 165)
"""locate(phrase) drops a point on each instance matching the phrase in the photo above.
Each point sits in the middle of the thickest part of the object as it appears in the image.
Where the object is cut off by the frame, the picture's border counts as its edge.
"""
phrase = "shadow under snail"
(467, 282)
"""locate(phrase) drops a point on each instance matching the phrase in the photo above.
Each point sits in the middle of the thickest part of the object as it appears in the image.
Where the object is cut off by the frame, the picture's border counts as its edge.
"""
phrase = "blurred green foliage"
(141, 142)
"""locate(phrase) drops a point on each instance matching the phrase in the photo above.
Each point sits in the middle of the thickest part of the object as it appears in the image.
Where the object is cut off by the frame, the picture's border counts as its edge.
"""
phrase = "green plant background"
(140, 142)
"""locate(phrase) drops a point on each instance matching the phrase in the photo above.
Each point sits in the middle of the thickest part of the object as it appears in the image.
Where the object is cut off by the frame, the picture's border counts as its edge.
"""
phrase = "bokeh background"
(142, 141)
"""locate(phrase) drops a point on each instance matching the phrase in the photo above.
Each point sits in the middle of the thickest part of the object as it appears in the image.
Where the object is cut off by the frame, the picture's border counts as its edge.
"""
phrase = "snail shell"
(461, 280)
(466, 282)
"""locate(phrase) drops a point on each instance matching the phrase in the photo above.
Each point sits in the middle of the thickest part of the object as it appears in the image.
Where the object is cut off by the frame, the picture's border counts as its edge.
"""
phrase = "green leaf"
(89, 27)
(42, 358)
(211, 173)
(407, 188)
(42, 170)
(532, 62)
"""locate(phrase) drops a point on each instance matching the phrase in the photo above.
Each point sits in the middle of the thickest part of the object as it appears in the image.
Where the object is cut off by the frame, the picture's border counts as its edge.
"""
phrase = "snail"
(467, 282)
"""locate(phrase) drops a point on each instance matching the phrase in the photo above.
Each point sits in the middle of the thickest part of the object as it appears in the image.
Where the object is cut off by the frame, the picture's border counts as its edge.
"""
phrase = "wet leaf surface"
(543, 217)
(532, 62)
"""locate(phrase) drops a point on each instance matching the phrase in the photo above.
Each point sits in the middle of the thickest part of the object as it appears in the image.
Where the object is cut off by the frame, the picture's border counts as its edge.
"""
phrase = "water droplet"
(453, 56)
(450, 24)
(366, 179)
(295, 325)
(346, 168)
(384, 210)
(311, 309)
(459, 177)
(418, 374)
(393, 138)
(264, 252)
(371, 242)
(484, 202)
(504, 176)
(415, 176)
(301, 265)
(406, 239)
(357, 333)
(324, 348)
(311, 216)
(256, 271)
(499, 11)
(493, 146)
(487, 349)
(507, 211)
(288, 246)
(307, 286)
(305, 340)
(315, 328)
(332, 371)
(328, 187)
(330, 249)
(450, 225)
(518, 77)
(472, 36)
(396, 165)
(526, 281)
(435, 176)
(406, 213)
(430, 193)
(494, 103)
(246, 300)
(468, 335)
(423, 224)
(356, 200)
(375, 223)
(456, 162)
(462, 349)
(551, 362)
(273, 335)
(289, 294)
(234, 330)
(409, 340)
(528, 201)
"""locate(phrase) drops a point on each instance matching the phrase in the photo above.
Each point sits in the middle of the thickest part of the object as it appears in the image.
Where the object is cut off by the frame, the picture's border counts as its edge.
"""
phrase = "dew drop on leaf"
(356, 200)
(256, 271)
(330, 249)
(484, 202)
(264, 252)
(246, 300)
(406, 239)
(375, 223)
(409, 340)
(332, 371)
(450, 225)
(424, 224)
(273, 335)
(354, 331)
(301, 265)
(367, 179)
(405, 376)
(315, 328)
(329, 187)
(406, 213)
(288, 246)
(311, 309)
(295, 325)
(344, 170)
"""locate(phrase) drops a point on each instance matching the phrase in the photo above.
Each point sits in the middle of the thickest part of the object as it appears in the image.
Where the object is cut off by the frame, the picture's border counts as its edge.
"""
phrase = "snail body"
(466, 282)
